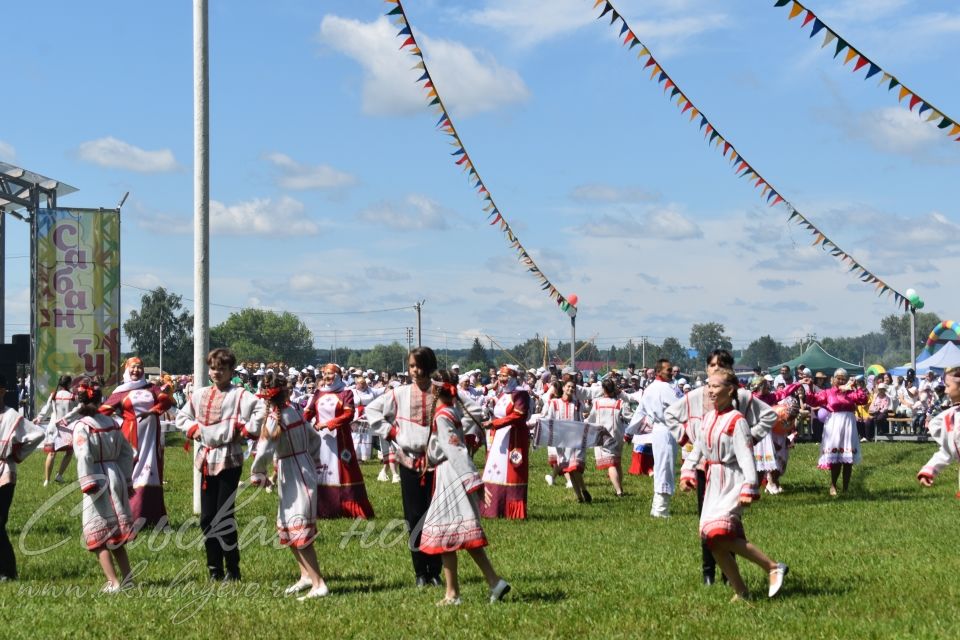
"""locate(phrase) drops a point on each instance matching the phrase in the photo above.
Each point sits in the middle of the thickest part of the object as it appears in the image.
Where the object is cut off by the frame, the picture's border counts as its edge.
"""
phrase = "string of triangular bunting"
(926, 110)
(741, 166)
(463, 160)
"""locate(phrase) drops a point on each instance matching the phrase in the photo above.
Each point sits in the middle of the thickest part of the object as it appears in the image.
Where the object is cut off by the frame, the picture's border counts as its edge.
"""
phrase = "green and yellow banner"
(77, 296)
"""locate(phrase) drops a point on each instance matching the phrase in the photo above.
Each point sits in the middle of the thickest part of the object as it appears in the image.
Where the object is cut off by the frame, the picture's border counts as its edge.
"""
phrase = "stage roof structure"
(21, 189)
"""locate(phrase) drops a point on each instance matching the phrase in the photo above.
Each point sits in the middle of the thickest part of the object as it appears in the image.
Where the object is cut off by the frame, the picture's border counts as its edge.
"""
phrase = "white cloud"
(7, 152)
(417, 214)
(385, 274)
(777, 285)
(666, 223)
(862, 10)
(470, 82)
(527, 23)
(668, 24)
(262, 215)
(596, 192)
(117, 154)
(296, 176)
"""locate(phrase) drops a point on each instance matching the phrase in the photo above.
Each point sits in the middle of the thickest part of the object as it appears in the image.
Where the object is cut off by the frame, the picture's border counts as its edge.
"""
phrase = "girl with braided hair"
(452, 521)
(295, 445)
(105, 472)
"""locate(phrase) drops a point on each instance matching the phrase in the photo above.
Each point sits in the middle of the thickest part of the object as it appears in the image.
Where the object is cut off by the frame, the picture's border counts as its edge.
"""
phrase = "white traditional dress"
(341, 491)
(567, 459)
(452, 521)
(945, 431)
(132, 402)
(360, 427)
(104, 470)
(507, 469)
(60, 410)
(297, 453)
(725, 447)
(659, 395)
(841, 441)
(18, 438)
(612, 414)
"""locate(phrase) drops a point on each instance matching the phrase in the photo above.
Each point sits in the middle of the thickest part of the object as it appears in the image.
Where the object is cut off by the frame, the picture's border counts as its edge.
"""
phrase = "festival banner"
(741, 166)
(463, 160)
(841, 45)
(77, 301)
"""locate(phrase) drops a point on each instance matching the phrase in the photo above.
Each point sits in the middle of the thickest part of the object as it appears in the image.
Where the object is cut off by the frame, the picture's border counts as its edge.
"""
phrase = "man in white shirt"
(659, 395)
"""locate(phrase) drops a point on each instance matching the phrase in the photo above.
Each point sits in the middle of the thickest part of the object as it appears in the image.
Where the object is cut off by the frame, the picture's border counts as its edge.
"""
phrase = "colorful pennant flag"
(740, 165)
(462, 158)
(943, 122)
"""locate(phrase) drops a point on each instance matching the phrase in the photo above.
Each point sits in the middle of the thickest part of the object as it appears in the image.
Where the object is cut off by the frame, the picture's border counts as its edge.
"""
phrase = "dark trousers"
(8, 561)
(709, 562)
(217, 497)
(416, 491)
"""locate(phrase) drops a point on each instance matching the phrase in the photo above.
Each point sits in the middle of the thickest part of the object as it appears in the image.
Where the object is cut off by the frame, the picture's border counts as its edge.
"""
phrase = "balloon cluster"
(914, 298)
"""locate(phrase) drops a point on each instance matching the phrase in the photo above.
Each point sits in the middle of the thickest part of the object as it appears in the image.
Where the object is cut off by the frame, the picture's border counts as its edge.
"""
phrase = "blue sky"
(332, 191)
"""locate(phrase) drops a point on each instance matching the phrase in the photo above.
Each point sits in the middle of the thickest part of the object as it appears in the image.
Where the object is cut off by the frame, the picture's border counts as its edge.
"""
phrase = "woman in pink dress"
(840, 446)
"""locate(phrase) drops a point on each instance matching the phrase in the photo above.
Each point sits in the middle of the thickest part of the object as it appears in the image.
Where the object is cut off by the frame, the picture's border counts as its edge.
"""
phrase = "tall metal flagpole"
(201, 208)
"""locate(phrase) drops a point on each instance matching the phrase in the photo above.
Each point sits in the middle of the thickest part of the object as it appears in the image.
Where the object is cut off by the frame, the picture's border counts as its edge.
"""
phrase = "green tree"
(386, 357)
(162, 311)
(262, 335)
(477, 357)
(764, 352)
(672, 350)
(707, 337)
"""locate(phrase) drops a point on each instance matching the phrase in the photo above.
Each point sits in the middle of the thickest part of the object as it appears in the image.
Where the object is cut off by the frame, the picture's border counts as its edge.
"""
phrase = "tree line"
(263, 336)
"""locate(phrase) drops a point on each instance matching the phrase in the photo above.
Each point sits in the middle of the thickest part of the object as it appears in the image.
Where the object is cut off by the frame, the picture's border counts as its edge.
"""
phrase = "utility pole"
(643, 347)
(419, 306)
(161, 345)
(409, 339)
(201, 207)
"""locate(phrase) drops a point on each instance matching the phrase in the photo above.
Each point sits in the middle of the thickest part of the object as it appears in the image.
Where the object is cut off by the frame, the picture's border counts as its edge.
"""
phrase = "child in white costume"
(726, 448)
(611, 413)
(452, 521)
(18, 439)
(295, 444)
(105, 473)
(945, 429)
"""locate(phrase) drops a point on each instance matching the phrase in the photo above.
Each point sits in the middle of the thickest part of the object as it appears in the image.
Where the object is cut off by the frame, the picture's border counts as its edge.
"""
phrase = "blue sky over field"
(332, 191)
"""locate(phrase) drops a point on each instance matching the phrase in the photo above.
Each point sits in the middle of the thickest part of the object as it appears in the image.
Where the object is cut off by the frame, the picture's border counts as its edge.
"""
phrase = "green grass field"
(878, 562)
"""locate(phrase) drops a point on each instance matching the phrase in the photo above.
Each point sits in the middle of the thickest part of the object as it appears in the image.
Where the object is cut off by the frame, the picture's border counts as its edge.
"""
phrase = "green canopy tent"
(818, 360)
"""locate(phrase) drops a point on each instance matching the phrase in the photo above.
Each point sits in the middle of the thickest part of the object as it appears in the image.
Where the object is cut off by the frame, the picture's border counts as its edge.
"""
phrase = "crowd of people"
(308, 429)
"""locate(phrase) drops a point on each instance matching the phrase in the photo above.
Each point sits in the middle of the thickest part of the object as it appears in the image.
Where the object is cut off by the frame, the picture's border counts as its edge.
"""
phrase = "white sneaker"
(661, 505)
(501, 589)
(569, 484)
(320, 592)
(776, 579)
(298, 586)
(446, 602)
(396, 479)
(548, 479)
(46, 483)
(110, 589)
(383, 476)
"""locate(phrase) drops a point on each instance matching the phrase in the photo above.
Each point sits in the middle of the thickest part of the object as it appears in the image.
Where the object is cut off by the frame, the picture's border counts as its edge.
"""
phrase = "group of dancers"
(433, 427)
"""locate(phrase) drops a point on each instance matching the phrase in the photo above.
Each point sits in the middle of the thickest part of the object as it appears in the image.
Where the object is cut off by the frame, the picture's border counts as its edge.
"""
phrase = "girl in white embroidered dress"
(725, 446)
(295, 444)
(452, 521)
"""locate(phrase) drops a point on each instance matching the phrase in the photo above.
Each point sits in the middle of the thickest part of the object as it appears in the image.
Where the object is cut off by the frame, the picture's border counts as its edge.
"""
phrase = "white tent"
(947, 356)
